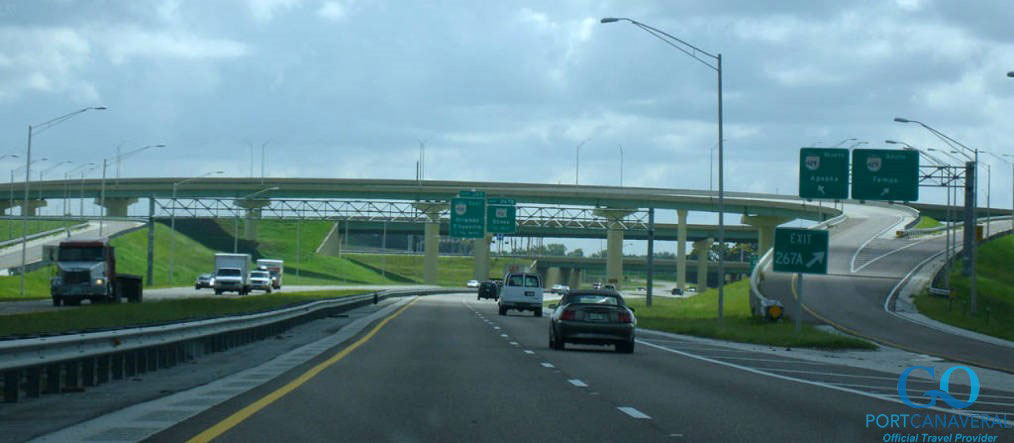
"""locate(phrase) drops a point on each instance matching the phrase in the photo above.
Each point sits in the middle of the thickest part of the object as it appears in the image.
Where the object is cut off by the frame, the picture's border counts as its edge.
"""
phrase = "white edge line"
(852, 265)
(813, 383)
(889, 253)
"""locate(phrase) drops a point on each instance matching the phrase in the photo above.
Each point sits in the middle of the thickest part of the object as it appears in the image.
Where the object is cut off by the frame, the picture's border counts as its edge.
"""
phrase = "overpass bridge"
(544, 209)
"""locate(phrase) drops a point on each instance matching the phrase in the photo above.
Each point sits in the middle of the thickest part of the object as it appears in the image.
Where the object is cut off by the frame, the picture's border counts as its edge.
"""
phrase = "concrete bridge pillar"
(765, 225)
(703, 248)
(480, 257)
(253, 216)
(574, 279)
(116, 207)
(31, 208)
(552, 277)
(614, 244)
(681, 250)
(431, 239)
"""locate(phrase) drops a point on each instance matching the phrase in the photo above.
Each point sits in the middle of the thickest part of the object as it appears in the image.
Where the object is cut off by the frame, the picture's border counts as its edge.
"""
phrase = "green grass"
(697, 316)
(451, 271)
(90, 317)
(11, 229)
(995, 291)
(927, 222)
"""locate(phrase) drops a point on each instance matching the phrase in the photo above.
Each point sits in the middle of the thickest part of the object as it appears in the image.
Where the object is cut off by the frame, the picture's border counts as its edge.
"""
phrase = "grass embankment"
(452, 271)
(696, 316)
(927, 222)
(995, 290)
(89, 317)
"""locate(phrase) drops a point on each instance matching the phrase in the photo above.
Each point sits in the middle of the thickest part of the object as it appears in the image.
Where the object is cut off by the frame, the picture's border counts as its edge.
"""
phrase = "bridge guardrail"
(34, 366)
(30, 237)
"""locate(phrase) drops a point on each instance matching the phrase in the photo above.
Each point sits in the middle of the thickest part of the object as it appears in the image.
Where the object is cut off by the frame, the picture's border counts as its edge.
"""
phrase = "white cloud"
(332, 10)
(264, 11)
(44, 60)
(122, 44)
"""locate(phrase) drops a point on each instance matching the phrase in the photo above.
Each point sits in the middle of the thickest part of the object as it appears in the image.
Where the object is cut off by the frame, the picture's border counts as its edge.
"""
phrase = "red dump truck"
(86, 269)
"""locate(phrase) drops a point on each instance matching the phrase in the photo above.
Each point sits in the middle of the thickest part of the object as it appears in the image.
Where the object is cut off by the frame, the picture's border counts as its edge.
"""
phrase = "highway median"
(89, 317)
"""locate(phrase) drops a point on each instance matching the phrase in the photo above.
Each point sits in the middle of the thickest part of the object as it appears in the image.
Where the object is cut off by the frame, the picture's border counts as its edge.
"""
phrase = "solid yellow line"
(251, 409)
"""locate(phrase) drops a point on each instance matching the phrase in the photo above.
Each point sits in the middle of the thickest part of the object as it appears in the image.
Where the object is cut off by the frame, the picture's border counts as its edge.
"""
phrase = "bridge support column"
(574, 279)
(681, 250)
(32, 207)
(116, 207)
(765, 225)
(614, 244)
(431, 239)
(703, 248)
(552, 277)
(480, 257)
(253, 216)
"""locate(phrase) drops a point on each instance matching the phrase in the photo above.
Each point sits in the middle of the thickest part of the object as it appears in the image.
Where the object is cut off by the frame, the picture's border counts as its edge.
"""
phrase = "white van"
(521, 292)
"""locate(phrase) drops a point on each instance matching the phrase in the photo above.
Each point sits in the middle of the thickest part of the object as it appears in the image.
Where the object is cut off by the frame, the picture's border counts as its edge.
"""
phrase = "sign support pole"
(799, 302)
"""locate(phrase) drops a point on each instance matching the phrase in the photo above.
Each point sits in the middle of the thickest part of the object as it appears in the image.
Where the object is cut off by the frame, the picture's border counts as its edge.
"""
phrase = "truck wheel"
(56, 301)
(538, 312)
(268, 291)
(218, 292)
(503, 310)
(72, 302)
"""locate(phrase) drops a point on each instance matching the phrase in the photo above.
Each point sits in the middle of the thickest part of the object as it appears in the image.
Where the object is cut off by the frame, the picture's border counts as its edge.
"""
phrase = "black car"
(598, 316)
(488, 289)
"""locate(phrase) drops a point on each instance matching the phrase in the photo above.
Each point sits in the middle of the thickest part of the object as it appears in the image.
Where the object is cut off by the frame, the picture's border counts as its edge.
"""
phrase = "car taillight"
(567, 315)
(625, 317)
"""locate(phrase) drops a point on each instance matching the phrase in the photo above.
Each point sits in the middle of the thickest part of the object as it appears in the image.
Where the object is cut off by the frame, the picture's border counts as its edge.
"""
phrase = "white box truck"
(275, 268)
(232, 273)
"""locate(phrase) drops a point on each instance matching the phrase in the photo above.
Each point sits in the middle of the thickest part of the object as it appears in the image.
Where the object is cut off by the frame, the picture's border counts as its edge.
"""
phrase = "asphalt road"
(448, 368)
(11, 256)
(864, 268)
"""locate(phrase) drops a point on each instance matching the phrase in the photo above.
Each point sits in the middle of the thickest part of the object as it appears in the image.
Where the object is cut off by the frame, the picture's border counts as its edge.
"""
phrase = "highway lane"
(450, 368)
(866, 264)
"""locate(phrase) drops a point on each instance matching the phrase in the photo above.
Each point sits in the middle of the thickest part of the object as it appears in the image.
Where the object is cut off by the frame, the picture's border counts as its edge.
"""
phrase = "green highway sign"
(501, 218)
(468, 217)
(884, 174)
(473, 194)
(800, 250)
(824, 173)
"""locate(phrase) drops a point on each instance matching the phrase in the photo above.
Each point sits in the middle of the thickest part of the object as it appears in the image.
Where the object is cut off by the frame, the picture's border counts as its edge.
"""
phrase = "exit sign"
(800, 250)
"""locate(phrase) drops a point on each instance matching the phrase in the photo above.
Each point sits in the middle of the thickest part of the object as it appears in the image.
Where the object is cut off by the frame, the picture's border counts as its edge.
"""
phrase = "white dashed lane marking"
(529, 352)
(578, 383)
(514, 343)
(503, 335)
(547, 365)
(633, 412)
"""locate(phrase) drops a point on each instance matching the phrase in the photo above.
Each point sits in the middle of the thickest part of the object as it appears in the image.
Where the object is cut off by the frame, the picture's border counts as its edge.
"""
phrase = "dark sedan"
(598, 316)
(488, 289)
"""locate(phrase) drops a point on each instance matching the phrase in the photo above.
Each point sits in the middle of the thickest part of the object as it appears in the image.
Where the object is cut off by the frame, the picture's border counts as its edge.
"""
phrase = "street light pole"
(172, 222)
(621, 165)
(577, 160)
(28, 176)
(695, 53)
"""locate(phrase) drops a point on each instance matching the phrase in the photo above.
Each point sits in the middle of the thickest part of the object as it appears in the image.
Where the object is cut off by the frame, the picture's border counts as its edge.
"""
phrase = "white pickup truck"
(521, 291)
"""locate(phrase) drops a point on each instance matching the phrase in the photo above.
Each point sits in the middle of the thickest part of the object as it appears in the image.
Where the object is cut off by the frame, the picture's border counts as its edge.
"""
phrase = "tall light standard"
(11, 203)
(66, 185)
(577, 159)
(1011, 162)
(172, 221)
(999, 157)
(33, 130)
(102, 192)
(971, 185)
(422, 159)
(621, 165)
(694, 52)
(81, 198)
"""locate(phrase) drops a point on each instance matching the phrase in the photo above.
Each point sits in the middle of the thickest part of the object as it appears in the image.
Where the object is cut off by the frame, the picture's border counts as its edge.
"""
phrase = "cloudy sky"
(501, 91)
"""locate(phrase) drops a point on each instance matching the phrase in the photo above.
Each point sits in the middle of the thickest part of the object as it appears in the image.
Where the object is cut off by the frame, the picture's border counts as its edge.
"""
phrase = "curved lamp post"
(172, 221)
(713, 61)
(35, 130)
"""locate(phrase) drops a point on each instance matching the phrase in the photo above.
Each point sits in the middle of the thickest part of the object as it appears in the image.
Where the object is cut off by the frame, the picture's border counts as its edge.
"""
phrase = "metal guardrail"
(6, 243)
(33, 366)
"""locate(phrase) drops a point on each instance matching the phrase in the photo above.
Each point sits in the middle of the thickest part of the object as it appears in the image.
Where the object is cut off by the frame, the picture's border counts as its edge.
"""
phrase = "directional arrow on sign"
(817, 258)
(820, 188)
(885, 192)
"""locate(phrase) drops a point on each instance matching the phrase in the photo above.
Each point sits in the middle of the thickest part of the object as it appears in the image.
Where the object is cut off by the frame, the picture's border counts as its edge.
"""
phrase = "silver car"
(260, 280)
